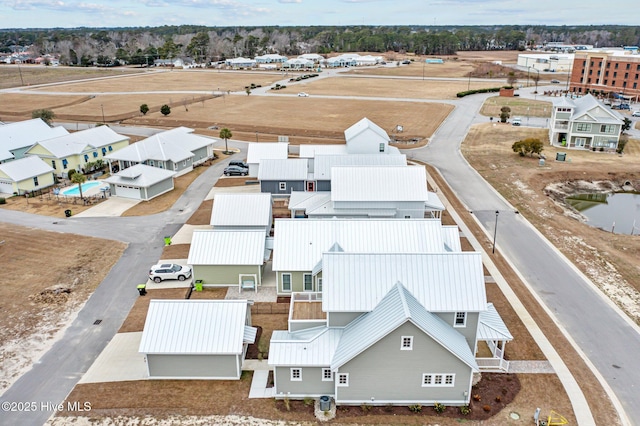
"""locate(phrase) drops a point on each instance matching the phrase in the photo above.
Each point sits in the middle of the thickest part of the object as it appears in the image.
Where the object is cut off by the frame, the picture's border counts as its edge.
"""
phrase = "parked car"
(239, 164)
(236, 171)
(621, 107)
(303, 95)
(555, 81)
(169, 271)
(636, 114)
(516, 121)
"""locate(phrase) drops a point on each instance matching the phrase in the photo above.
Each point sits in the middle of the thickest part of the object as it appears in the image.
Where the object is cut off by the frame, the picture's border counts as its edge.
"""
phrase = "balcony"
(306, 311)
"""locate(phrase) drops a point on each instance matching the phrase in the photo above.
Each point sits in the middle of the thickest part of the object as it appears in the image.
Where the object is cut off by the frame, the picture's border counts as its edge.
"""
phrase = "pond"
(618, 212)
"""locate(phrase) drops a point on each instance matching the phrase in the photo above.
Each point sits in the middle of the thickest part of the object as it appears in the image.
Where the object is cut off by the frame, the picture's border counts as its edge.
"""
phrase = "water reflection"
(617, 212)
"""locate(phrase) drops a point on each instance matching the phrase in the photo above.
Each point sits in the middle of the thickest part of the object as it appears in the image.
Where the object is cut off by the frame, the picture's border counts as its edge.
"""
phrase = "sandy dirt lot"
(34, 306)
(450, 68)
(519, 107)
(24, 104)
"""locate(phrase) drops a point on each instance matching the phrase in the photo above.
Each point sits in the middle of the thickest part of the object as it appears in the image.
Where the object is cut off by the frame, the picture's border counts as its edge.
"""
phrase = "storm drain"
(97, 322)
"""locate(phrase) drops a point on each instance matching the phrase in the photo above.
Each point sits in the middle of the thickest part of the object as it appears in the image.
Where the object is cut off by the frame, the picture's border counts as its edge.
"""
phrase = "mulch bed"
(252, 349)
(489, 397)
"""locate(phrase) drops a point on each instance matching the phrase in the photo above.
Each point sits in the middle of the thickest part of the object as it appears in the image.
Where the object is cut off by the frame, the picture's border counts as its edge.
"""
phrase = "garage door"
(128, 192)
(6, 187)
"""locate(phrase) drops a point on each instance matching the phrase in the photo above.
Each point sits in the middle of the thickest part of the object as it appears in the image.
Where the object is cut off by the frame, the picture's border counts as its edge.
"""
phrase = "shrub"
(439, 408)
(365, 408)
(621, 144)
(498, 398)
(476, 397)
(287, 403)
(144, 109)
(308, 401)
(473, 92)
(486, 408)
(528, 146)
(601, 149)
(70, 173)
(165, 109)
(3, 200)
(415, 408)
(465, 410)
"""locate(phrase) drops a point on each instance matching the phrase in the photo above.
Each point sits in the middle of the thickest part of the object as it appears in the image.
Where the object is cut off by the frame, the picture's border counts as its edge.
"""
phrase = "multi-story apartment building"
(614, 71)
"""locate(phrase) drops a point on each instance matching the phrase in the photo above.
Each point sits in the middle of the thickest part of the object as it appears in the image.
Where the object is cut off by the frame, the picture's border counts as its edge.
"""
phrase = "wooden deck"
(308, 310)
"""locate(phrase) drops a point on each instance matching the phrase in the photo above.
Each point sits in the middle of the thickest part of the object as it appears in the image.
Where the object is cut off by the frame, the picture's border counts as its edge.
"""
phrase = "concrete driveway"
(112, 207)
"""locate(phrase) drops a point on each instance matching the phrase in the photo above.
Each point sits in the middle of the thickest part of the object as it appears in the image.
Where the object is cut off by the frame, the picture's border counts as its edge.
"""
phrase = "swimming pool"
(73, 190)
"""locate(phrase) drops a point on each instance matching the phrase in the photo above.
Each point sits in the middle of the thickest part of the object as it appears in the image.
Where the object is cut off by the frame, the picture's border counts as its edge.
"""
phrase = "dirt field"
(30, 75)
(24, 104)
(519, 107)
(450, 68)
(387, 87)
(523, 183)
(34, 306)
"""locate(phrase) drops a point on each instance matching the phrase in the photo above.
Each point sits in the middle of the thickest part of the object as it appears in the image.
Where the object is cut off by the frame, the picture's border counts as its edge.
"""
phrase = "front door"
(311, 186)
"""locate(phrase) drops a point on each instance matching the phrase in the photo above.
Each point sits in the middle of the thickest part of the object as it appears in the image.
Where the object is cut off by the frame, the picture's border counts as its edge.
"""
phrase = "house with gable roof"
(17, 138)
(25, 175)
(177, 150)
(76, 150)
(584, 123)
(393, 328)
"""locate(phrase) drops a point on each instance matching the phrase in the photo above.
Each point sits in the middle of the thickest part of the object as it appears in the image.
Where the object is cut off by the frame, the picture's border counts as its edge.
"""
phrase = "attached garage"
(25, 175)
(6, 186)
(141, 182)
(197, 339)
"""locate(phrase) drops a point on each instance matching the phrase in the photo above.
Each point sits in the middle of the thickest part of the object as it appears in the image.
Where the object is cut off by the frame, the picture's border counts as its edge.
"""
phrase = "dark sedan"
(235, 171)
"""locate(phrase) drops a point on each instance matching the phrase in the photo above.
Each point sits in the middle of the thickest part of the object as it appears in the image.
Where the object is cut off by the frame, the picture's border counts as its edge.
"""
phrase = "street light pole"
(495, 232)
(102, 108)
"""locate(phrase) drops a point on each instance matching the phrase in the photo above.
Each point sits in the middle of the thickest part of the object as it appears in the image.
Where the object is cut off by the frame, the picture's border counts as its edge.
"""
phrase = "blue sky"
(112, 13)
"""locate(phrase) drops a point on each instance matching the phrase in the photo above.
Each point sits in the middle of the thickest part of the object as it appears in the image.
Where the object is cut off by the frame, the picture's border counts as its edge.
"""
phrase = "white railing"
(307, 297)
(561, 126)
(493, 364)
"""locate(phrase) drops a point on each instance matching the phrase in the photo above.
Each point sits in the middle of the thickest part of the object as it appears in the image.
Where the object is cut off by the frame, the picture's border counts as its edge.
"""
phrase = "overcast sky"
(130, 13)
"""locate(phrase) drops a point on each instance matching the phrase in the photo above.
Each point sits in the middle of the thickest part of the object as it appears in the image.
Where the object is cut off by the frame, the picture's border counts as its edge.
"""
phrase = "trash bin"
(198, 285)
(67, 213)
(541, 162)
(325, 403)
(561, 156)
(167, 241)
(142, 289)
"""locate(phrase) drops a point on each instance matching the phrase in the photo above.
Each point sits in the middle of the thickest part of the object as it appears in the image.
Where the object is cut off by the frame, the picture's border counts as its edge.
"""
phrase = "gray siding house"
(223, 258)
(281, 177)
(584, 123)
(197, 339)
(141, 182)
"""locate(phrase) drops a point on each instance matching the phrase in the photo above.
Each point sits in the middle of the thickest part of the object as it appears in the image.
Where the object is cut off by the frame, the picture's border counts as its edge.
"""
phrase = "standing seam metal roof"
(397, 307)
(379, 183)
(283, 170)
(25, 168)
(258, 151)
(241, 209)
(227, 247)
(196, 327)
(442, 282)
(323, 163)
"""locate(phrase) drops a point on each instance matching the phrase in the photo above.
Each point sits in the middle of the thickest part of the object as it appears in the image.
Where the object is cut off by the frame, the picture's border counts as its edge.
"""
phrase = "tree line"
(104, 46)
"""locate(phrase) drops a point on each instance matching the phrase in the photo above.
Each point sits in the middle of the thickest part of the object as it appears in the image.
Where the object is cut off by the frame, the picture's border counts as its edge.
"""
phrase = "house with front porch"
(584, 123)
(177, 150)
(415, 319)
(79, 151)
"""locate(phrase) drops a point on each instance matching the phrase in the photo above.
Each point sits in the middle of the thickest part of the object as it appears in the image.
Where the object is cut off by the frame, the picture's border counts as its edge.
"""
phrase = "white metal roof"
(258, 151)
(298, 244)
(312, 347)
(451, 238)
(379, 183)
(442, 282)
(396, 308)
(25, 168)
(287, 169)
(593, 110)
(76, 143)
(301, 200)
(23, 134)
(140, 175)
(172, 145)
(323, 163)
(434, 202)
(362, 126)
(227, 247)
(195, 327)
(310, 151)
(491, 326)
(233, 209)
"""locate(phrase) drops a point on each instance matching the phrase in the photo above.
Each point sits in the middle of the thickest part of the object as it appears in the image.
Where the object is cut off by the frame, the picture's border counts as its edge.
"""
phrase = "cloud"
(289, 1)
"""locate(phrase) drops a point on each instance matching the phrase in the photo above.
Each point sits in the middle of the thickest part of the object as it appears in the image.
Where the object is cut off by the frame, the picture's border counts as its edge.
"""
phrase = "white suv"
(636, 114)
(169, 271)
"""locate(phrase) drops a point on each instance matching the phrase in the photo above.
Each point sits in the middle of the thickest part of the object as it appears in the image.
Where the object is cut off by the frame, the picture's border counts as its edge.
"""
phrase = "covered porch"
(494, 333)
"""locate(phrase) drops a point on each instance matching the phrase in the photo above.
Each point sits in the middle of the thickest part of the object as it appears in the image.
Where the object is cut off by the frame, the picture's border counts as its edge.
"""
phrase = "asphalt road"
(607, 337)
(52, 378)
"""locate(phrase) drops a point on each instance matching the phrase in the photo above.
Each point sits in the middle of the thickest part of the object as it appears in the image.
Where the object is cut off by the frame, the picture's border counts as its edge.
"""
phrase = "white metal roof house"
(229, 257)
(298, 245)
(177, 150)
(197, 339)
(366, 137)
(371, 191)
(312, 57)
(78, 150)
(242, 211)
(240, 62)
(25, 175)
(584, 123)
(141, 182)
(270, 58)
(16, 138)
(324, 163)
(299, 63)
(281, 177)
(258, 151)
